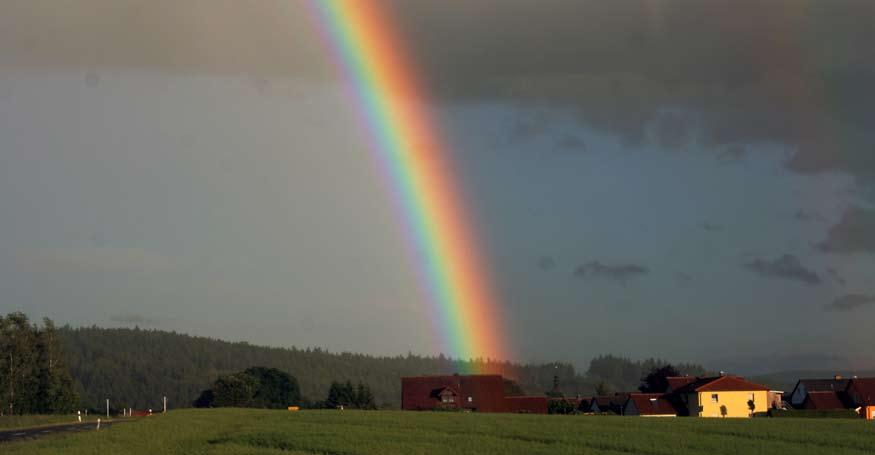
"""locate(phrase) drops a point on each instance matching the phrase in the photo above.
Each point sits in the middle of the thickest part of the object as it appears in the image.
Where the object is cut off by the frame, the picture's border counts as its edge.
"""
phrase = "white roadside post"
(165, 406)
(79, 415)
(107, 408)
(98, 423)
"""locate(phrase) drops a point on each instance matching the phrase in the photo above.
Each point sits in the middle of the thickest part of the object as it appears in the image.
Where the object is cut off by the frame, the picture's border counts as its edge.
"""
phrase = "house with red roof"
(822, 400)
(475, 392)
(719, 396)
(860, 392)
(650, 405)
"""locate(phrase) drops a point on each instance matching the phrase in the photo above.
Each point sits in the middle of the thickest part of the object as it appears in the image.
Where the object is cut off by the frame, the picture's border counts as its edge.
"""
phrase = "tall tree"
(55, 392)
(33, 375)
(656, 380)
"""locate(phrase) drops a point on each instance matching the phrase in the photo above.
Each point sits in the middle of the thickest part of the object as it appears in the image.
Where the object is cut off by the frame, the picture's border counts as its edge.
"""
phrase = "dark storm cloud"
(786, 267)
(736, 71)
(619, 272)
(131, 319)
(850, 302)
(855, 232)
(745, 71)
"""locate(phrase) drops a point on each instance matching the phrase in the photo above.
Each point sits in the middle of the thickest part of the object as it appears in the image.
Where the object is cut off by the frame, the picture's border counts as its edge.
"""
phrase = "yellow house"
(721, 396)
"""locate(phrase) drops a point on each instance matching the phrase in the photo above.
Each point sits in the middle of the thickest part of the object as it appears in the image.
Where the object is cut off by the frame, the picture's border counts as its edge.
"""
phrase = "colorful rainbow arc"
(407, 144)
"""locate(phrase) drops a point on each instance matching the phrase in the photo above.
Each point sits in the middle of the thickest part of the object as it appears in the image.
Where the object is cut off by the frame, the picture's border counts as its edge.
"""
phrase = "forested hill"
(135, 368)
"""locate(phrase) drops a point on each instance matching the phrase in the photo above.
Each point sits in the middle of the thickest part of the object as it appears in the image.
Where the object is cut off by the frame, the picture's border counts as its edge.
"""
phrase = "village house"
(608, 404)
(860, 392)
(836, 385)
(720, 396)
(822, 400)
(649, 405)
(483, 393)
(480, 393)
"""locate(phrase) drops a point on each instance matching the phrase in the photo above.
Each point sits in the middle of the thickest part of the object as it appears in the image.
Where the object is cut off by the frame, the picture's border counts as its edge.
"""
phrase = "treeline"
(135, 368)
(33, 375)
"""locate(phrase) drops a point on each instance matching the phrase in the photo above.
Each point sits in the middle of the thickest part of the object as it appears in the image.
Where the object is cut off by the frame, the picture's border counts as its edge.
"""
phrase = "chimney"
(838, 377)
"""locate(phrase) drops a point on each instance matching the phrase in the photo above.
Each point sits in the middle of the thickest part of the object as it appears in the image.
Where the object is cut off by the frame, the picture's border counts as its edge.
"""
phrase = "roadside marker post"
(98, 423)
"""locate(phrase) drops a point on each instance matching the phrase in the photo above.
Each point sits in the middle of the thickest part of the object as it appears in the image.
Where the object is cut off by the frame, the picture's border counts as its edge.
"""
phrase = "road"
(32, 433)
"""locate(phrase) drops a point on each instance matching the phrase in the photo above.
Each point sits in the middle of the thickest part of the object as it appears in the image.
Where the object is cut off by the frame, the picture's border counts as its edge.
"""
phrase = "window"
(714, 398)
(470, 399)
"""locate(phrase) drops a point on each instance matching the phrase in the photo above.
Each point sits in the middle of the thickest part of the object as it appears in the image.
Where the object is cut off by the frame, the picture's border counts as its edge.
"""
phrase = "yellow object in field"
(294, 408)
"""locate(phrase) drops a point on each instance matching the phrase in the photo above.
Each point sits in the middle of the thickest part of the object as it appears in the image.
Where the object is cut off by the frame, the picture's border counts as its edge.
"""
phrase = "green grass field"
(254, 432)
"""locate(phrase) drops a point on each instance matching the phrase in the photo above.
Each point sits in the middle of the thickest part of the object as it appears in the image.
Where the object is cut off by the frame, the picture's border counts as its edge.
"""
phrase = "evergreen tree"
(364, 397)
(33, 375)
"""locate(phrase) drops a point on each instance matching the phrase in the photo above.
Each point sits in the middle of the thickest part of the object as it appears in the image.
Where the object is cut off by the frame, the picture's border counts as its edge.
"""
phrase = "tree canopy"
(33, 375)
(256, 387)
(656, 381)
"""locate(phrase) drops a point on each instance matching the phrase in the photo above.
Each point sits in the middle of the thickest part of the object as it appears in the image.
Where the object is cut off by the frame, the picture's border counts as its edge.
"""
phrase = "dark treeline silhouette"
(256, 387)
(135, 368)
(33, 375)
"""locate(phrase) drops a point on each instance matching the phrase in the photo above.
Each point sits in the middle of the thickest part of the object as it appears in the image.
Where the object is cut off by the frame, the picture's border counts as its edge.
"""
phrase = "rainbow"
(407, 145)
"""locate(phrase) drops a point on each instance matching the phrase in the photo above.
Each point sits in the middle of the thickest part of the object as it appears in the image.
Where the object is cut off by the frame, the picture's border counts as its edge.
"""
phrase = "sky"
(691, 180)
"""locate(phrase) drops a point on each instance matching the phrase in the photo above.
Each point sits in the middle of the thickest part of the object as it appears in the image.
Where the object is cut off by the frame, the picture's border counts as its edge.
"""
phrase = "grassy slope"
(348, 432)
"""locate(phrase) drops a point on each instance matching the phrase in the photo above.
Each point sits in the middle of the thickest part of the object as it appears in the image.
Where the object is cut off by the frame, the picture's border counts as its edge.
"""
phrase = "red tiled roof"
(676, 382)
(486, 392)
(655, 404)
(823, 400)
(525, 404)
(721, 384)
(864, 389)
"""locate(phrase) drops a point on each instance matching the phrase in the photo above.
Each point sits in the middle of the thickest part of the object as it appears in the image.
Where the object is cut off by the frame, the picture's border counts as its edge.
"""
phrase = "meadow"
(263, 432)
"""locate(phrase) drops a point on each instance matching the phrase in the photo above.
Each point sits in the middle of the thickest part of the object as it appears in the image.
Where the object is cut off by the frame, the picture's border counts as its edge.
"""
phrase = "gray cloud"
(95, 259)
(683, 279)
(786, 267)
(855, 232)
(834, 274)
(132, 319)
(850, 302)
(620, 272)
(712, 227)
(546, 263)
(805, 215)
(570, 142)
(619, 66)
(732, 153)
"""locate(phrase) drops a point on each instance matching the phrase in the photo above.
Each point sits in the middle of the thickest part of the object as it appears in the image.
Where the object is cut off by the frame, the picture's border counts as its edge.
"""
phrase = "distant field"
(255, 432)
